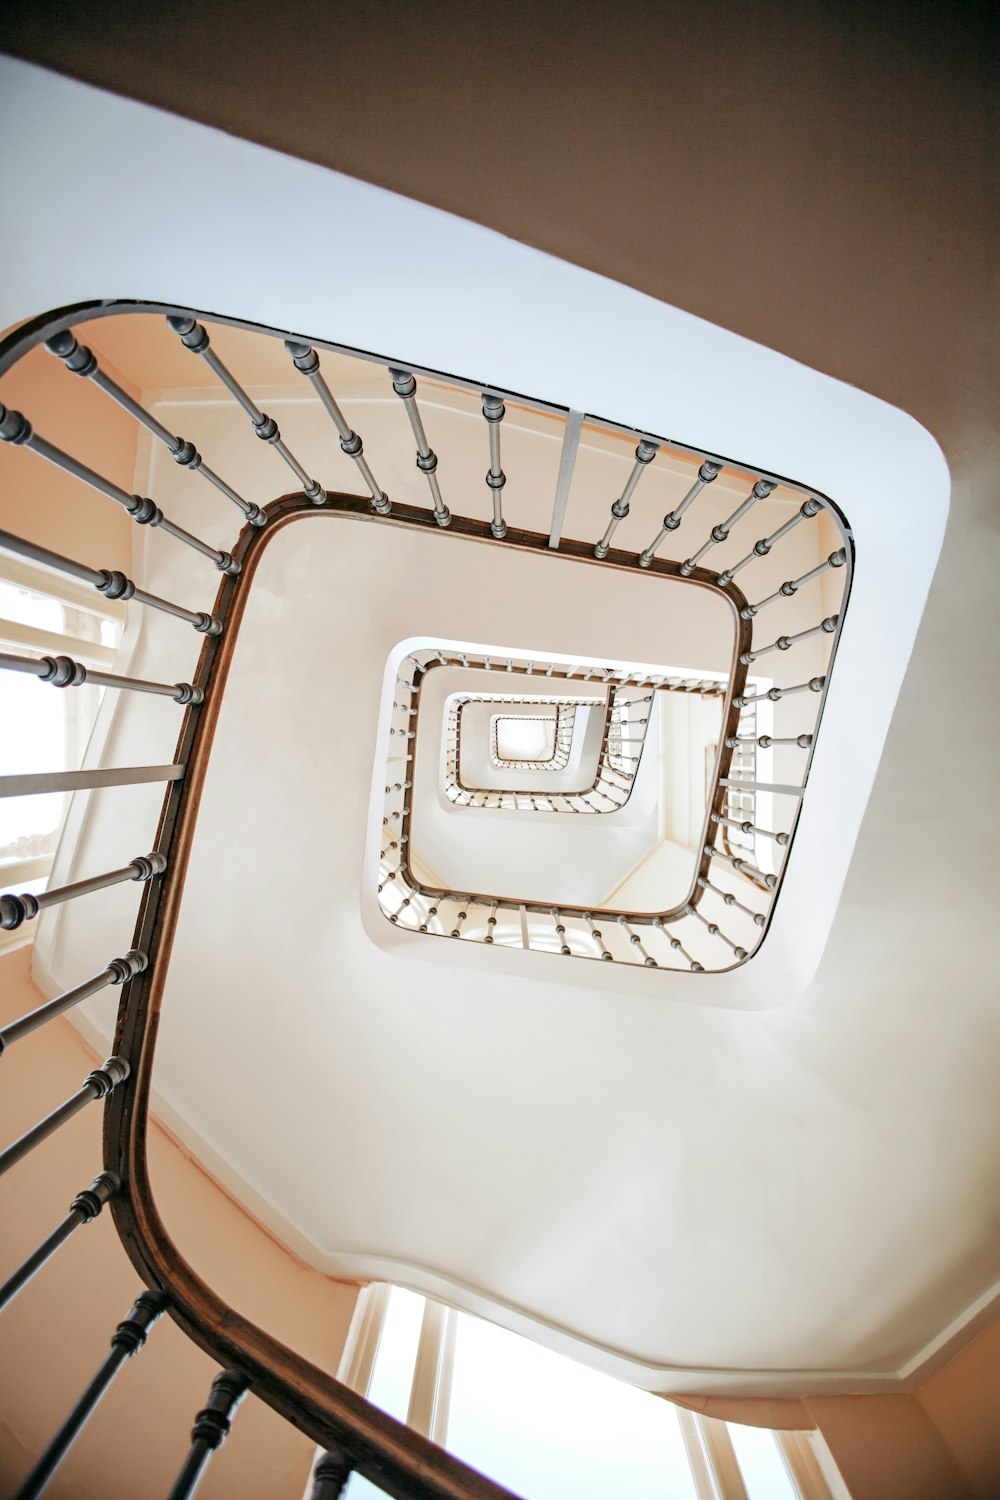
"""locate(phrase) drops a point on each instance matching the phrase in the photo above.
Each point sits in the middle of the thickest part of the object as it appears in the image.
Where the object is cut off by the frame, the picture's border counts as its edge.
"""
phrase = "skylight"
(525, 738)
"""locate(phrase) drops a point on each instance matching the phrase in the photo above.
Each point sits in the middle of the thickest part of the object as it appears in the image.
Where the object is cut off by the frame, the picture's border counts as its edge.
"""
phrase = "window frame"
(76, 599)
(715, 1470)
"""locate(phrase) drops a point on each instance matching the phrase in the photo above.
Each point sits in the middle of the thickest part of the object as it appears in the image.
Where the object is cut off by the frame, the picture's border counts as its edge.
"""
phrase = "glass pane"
(526, 738)
(551, 1429)
(29, 608)
(761, 1463)
(397, 1353)
(111, 634)
(34, 719)
(392, 1377)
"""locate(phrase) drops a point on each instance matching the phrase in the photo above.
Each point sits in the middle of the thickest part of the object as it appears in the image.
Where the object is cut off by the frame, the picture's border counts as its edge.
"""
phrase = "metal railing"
(564, 726)
(625, 709)
(357, 1436)
(669, 939)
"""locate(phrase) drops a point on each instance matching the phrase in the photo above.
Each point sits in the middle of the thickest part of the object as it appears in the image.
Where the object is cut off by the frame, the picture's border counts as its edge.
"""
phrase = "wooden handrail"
(402, 1463)
(398, 1460)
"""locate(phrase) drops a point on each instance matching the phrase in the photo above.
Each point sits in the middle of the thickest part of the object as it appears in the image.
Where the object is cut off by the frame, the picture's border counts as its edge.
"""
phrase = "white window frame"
(707, 1441)
(34, 641)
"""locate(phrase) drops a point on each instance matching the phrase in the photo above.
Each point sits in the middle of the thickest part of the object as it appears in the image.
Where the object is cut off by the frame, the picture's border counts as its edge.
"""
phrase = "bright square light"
(530, 739)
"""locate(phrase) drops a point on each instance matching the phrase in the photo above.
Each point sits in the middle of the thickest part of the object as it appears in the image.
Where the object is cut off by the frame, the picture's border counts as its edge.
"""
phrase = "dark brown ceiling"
(814, 176)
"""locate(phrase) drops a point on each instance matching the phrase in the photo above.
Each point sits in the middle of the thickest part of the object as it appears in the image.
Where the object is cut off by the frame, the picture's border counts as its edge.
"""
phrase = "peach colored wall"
(939, 1443)
(56, 1333)
(963, 1402)
(865, 255)
(887, 1448)
(41, 502)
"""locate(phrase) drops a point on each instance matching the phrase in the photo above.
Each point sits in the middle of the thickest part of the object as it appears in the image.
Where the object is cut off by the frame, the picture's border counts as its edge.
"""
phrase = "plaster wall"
(42, 503)
(838, 987)
(822, 186)
(548, 857)
(57, 1331)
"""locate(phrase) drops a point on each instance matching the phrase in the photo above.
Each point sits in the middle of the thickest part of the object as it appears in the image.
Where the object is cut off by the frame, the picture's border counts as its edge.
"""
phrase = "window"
(550, 1428)
(525, 738)
(42, 614)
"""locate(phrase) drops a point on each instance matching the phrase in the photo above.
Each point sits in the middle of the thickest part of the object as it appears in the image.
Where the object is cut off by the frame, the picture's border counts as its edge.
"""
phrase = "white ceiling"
(713, 1197)
(550, 857)
(679, 1187)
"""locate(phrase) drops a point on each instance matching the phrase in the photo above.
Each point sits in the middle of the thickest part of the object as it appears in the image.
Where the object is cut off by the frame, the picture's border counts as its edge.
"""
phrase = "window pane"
(551, 1429)
(526, 738)
(111, 634)
(34, 719)
(393, 1373)
(761, 1463)
(397, 1353)
(29, 608)
(43, 729)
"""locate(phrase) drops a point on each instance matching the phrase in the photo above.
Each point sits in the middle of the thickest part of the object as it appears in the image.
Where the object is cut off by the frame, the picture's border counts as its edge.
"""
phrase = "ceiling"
(829, 198)
(670, 1188)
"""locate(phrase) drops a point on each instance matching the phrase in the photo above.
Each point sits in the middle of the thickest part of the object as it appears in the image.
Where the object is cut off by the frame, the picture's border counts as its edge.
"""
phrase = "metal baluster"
(404, 904)
(127, 1339)
(560, 930)
(747, 827)
(109, 582)
(567, 461)
(407, 902)
(63, 671)
(494, 412)
(80, 360)
(210, 1430)
(765, 741)
(644, 454)
(714, 931)
(730, 900)
(598, 940)
(405, 387)
(761, 489)
(785, 642)
(465, 901)
(706, 474)
(17, 909)
(333, 1470)
(194, 337)
(306, 359)
(814, 685)
(15, 428)
(432, 911)
(763, 547)
(84, 1207)
(118, 972)
(835, 560)
(744, 867)
(636, 942)
(37, 783)
(675, 944)
(96, 1085)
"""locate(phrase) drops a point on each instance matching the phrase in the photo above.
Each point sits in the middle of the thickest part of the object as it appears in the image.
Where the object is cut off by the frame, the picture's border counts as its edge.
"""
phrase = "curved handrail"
(388, 1453)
